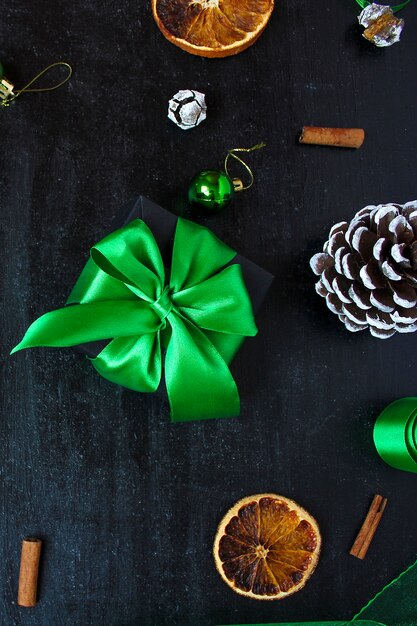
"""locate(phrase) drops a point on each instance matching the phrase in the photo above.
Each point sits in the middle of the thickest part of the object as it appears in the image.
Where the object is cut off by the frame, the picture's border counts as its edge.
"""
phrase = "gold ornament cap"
(237, 184)
(6, 89)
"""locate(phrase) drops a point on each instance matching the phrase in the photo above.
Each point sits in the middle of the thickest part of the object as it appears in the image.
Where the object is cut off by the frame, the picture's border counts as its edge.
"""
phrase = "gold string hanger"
(237, 183)
(8, 95)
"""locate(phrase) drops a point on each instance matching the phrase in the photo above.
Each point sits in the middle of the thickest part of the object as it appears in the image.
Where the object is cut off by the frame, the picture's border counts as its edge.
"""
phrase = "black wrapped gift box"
(162, 224)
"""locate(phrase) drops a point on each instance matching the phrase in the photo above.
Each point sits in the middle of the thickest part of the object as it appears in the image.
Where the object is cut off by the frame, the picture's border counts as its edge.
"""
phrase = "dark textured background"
(128, 503)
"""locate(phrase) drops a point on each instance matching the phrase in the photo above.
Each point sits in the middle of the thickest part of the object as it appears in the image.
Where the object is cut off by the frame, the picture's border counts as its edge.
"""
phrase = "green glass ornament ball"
(210, 192)
(1, 71)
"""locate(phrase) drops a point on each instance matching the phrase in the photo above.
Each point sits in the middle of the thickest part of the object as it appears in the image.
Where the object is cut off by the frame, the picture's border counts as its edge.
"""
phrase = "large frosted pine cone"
(368, 270)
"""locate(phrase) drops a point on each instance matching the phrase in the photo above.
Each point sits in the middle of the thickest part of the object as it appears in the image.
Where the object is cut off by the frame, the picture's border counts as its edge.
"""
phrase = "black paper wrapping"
(162, 224)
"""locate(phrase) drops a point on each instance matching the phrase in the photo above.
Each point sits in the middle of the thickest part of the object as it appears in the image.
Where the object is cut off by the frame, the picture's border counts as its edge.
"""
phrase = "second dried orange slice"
(267, 547)
(212, 28)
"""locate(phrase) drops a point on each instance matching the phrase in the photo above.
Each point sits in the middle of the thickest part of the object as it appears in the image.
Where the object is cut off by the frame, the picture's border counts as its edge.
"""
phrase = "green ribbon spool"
(195, 312)
(395, 435)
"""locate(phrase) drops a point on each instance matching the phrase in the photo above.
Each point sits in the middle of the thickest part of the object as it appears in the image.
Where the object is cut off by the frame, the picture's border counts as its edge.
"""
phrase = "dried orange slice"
(212, 28)
(266, 547)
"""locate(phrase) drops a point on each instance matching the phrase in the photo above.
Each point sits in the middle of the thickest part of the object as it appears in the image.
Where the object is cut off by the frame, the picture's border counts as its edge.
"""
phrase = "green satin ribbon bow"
(124, 295)
(395, 435)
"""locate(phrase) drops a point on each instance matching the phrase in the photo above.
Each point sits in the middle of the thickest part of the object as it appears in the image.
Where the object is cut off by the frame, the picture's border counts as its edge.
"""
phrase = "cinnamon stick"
(29, 568)
(368, 530)
(339, 137)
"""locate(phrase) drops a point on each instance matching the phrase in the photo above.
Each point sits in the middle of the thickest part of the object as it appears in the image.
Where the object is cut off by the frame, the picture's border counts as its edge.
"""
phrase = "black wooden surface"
(126, 502)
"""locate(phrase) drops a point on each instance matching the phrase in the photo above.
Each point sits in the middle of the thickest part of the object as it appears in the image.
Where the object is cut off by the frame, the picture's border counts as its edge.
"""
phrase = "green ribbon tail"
(396, 603)
(199, 382)
(82, 323)
(362, 622)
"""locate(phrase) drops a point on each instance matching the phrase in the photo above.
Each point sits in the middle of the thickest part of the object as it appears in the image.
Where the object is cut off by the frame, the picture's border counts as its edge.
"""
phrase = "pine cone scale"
(383, 300)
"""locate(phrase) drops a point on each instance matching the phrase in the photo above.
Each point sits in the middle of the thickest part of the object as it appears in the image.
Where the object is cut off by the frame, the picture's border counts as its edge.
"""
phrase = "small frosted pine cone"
(368, 270)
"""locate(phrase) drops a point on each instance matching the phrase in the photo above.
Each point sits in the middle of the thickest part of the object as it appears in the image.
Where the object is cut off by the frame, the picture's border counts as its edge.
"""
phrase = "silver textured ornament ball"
(187, 109)
(382, 27)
